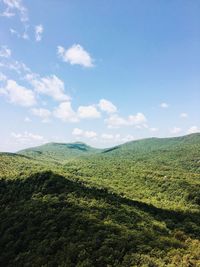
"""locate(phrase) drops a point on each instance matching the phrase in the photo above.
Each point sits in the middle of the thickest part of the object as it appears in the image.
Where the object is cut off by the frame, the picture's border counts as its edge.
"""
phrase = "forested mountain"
(59, 151)
(137, 204)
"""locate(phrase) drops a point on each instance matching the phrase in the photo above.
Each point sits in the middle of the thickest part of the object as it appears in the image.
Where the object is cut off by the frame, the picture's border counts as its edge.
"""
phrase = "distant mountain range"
(64, 151)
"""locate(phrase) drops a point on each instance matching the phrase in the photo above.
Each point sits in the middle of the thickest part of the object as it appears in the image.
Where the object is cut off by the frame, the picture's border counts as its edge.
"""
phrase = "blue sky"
(102, 72)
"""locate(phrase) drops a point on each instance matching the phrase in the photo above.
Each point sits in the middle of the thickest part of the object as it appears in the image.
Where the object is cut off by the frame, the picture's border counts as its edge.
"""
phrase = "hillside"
(59, 151)
(137, 204)
(52, 221)
(163, 172)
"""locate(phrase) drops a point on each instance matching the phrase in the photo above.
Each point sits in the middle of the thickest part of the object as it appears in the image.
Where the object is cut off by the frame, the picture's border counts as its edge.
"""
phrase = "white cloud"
(42, 113)
(38, 32)
(18, 94)
(13, 6)
(88, 112)
(184, 115)
(5, 51)
(115, 121)
(193, 129)
(164, 105)
(50, 85)
(107, 106)
(75, 55)
(65, 112)
(81, 133)
(8, 14)
(176, 130)
(17, 66)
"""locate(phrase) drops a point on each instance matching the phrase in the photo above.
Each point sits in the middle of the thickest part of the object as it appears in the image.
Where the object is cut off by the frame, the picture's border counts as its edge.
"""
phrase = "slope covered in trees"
(59, 151)
(137, 204)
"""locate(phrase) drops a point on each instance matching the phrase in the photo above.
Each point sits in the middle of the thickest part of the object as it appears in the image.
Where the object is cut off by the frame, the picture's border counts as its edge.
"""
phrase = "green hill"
(136, 204)
(59, 151)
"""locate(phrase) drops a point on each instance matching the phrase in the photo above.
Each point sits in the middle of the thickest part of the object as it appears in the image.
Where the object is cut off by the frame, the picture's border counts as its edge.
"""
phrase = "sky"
(101, 72)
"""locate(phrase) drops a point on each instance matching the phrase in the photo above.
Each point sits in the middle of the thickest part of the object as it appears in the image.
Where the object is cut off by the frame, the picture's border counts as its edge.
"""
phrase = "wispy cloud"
(38, 32)
(107, 106)
(13, 7)
(5, 51)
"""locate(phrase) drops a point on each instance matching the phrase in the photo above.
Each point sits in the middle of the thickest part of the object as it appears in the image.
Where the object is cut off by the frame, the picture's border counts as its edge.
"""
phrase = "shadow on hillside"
(48, 219)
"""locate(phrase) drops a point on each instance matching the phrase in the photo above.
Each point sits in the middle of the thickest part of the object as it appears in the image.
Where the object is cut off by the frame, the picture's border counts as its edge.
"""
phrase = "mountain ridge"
(61, 151)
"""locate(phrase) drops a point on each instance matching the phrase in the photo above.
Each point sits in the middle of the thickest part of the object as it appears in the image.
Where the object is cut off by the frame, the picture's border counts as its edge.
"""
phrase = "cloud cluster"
(16, 7)
(116, 121)
(66, 113)
(13, 7)
(104, 138)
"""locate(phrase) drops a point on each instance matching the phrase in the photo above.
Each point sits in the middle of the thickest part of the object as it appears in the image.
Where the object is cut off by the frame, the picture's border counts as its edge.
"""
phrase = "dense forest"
(68, 205)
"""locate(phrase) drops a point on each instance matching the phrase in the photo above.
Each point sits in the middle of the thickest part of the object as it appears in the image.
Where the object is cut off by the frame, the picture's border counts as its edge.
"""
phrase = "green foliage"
(59, 152)
(70, 205)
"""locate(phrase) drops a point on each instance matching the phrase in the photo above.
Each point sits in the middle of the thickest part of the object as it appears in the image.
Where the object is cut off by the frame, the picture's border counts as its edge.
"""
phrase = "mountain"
(136, 204)
(153, 144)
(64, 151)
(59, 151)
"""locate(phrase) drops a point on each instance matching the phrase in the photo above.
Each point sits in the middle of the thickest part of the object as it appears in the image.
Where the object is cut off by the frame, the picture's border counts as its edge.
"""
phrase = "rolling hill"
(136, 204)
(59, 151)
